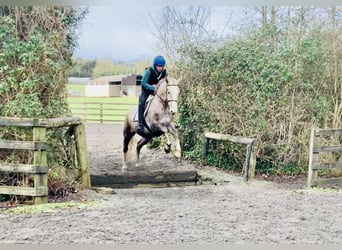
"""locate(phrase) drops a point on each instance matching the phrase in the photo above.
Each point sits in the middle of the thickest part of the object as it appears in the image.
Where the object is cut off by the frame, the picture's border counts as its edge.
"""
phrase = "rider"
(149, 85)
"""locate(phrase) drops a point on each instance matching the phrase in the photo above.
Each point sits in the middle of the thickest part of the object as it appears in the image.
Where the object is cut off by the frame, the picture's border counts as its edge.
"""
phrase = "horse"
(158, 116)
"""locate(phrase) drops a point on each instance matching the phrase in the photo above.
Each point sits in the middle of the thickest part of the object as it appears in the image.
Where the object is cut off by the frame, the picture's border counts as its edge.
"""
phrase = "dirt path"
(229, 212)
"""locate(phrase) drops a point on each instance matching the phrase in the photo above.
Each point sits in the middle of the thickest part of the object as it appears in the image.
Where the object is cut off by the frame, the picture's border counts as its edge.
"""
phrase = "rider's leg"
(142, 100)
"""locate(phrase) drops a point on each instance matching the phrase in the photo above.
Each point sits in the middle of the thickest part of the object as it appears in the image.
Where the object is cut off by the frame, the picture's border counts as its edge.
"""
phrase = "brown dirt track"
(222, 210)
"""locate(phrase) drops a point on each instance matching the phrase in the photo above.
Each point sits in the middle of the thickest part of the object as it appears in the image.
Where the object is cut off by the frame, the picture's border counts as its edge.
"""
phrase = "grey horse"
(158, 116)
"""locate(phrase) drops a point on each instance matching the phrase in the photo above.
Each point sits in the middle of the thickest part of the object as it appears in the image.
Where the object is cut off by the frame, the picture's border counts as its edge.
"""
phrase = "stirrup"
(140, 127)
(142, 130)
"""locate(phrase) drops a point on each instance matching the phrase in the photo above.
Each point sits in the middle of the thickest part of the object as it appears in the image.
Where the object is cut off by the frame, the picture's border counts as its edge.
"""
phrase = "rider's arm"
(144, 83)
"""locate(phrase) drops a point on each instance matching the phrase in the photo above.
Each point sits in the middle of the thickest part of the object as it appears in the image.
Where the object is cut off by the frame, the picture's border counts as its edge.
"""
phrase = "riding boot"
(141, 117)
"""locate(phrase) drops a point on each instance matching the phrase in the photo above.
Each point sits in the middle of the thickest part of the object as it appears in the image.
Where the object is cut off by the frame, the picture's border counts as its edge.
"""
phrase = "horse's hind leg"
(127, 134)
(143, 141)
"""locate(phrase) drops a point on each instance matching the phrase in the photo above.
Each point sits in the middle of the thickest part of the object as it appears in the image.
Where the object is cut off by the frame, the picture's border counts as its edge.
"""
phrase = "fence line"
(39, 168)
(102, 112)
(315, 149)
(249, 167)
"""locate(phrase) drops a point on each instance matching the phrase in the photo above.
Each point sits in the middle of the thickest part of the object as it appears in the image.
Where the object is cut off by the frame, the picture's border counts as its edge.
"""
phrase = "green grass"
(49, 207)
(111, 109)
(129, 100)
(76, 88)
(106, 109)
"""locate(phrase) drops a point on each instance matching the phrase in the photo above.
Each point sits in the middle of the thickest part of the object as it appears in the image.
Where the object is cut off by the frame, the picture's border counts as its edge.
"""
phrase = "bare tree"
(176, 27)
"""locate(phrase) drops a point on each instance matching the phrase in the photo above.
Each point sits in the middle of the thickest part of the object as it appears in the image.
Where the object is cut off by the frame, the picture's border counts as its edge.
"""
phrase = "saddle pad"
(136, 115)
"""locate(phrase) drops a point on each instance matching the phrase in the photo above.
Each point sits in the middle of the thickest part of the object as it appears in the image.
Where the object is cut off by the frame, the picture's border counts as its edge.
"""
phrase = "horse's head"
(169, 89)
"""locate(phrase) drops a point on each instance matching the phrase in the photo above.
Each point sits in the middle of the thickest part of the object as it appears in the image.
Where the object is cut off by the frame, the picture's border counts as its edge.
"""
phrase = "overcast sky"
(121, 32)
(114, 32)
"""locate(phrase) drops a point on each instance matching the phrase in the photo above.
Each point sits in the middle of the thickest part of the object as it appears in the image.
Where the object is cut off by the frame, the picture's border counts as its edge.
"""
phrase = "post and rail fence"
(315, 149)
(249, 167)
(101, 111)
(38, 145)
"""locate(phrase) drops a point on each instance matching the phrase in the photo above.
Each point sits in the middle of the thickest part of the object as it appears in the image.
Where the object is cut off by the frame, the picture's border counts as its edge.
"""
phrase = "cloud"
(122, 32)
(115, 32)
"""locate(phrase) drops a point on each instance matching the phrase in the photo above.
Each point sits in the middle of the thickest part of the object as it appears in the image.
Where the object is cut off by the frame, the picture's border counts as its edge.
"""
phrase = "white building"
(110, 86)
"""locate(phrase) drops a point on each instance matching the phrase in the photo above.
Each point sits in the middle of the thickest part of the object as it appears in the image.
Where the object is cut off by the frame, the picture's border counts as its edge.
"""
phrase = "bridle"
(167, 100)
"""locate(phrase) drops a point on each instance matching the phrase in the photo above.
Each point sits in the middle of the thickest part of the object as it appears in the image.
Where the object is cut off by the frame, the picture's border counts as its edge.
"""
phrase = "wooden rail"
(315, 149)
(102, 112)
(39, 168)
(250, 162)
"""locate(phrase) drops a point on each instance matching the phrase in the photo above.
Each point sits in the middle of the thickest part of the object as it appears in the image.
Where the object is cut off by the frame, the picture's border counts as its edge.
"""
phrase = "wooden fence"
(315, 149)
(39, 168)
(249, 167)
(101, 112)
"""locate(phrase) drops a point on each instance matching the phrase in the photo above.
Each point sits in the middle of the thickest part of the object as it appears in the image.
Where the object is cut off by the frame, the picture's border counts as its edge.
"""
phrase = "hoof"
(124, 168)
(178, 154)
(167, 149)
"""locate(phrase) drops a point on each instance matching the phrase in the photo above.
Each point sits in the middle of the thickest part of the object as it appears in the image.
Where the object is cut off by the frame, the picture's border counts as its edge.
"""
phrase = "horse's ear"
(179, 80)
(167, 80)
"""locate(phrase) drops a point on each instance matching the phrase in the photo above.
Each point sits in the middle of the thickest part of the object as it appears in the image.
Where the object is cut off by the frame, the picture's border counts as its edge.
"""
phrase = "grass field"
(103, 109)
(77, 89)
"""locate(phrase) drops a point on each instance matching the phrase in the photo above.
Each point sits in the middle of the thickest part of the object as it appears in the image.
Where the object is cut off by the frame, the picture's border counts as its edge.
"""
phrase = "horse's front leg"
(178, 150)
(167, 147)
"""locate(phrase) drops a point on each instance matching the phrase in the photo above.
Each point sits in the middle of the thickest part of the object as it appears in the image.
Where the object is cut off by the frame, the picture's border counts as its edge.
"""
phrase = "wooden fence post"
(101, 112)
(85, 111)
(82, 157)
(40, 159)
(206, 146)
(250, 162)
(313, 159)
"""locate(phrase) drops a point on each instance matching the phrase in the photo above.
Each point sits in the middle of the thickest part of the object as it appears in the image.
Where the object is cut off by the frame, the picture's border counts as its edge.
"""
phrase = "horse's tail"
(128, 128)
(128, 135)
(125, 126)
(128, 123)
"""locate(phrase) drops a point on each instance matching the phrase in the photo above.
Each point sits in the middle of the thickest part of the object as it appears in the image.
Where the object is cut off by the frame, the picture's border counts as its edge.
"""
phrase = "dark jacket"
(152, 77)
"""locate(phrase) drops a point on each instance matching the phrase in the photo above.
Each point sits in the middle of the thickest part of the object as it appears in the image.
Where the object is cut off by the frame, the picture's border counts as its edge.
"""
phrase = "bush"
(36, 45)
(254, 86)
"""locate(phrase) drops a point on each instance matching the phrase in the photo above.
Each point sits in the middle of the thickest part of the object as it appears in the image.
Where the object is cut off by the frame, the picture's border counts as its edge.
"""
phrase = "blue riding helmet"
(159, 61)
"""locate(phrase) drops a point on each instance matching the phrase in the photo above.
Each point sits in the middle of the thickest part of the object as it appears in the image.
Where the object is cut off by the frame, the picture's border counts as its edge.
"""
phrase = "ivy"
(36, 45)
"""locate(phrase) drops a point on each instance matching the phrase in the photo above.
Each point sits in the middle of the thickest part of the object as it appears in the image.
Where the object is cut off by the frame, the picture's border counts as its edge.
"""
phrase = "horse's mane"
(165, 80)
(162, 86)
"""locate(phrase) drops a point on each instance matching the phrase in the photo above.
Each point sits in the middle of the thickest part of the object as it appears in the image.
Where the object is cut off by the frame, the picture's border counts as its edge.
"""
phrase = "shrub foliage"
(36, 45)
(266, 84)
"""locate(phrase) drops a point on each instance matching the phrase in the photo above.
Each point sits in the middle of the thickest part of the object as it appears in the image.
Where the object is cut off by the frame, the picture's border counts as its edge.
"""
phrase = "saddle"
(146, 108)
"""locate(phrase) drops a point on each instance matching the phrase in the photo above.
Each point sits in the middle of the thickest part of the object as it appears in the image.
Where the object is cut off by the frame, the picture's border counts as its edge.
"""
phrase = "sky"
(122, 32)
(119, 29)
(115, 32)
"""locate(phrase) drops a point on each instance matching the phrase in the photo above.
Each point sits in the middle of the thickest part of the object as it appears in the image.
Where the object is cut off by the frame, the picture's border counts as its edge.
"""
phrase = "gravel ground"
(223, 210)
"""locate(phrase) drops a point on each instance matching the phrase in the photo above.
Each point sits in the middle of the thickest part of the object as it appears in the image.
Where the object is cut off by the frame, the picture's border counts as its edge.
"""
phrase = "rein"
(167, 100)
